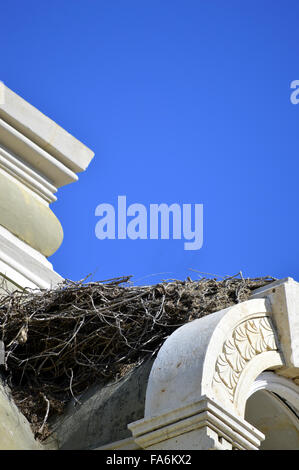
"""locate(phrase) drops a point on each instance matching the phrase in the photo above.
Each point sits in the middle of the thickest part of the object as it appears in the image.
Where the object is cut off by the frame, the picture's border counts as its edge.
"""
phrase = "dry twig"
(97, 330)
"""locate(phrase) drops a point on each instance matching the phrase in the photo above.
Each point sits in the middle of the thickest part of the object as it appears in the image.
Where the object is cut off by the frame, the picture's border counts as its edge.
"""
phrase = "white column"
(36, 158)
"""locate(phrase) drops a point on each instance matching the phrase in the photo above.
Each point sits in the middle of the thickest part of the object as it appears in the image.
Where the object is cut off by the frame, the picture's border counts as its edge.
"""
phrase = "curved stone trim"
(185, 365)
(12, 165)
(28, 218)
(246, 341)
(217, 359)
(285, 388)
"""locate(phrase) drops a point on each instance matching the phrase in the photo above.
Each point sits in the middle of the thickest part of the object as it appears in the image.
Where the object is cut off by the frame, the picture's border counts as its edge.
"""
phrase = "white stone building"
(229, 380)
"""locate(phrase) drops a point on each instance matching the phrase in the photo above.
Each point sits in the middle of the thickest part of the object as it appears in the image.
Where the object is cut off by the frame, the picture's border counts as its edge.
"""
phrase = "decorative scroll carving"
(247, 340)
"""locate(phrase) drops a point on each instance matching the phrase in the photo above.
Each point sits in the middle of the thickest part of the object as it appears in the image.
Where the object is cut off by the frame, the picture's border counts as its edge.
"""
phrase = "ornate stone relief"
(247, 340)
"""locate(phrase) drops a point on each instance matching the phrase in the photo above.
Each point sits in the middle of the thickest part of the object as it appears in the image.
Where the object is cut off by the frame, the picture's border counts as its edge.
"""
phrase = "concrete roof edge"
(43, 131)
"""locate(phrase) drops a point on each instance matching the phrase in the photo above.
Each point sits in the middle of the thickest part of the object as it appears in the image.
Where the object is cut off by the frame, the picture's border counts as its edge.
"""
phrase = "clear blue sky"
(181, 101)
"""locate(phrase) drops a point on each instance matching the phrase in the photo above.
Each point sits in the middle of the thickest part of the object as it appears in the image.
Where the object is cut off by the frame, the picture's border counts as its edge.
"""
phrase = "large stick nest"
(59, 342)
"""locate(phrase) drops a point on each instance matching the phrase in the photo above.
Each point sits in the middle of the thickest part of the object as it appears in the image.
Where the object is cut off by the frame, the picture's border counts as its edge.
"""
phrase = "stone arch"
(250, 349)
(272, 406)
(277, 384)
(218, 356)
(201, 380)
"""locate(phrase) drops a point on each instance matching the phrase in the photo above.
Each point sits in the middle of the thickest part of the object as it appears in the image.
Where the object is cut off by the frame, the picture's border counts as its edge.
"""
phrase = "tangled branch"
(58, 342)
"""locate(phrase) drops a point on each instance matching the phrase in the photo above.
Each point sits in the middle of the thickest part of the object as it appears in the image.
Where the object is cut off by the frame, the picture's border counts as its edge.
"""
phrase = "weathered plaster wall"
(104, 414)
(15, 431)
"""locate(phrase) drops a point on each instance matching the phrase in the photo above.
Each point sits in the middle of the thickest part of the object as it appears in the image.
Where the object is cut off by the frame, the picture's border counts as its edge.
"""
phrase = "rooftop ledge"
(36, 158)
(42, 131)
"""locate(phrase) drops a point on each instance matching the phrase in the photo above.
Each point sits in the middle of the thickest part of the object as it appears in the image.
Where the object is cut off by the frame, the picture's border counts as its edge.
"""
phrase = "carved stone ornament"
(248, 339)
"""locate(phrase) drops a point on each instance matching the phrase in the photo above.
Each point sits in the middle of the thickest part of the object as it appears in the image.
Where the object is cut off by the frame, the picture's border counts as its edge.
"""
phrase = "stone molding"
(28, 218)
(13, 166)
(33, 156)
(283, 299)
(287, 389)
(203, 422)
(36, 157)
(189, 362)
(43, 131)
(216, 361)
(247, 340)
(123, 444)
(23, 266)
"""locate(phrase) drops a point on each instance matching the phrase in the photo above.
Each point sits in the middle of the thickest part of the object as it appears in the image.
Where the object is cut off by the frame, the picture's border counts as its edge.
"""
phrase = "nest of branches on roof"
(59, 342)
